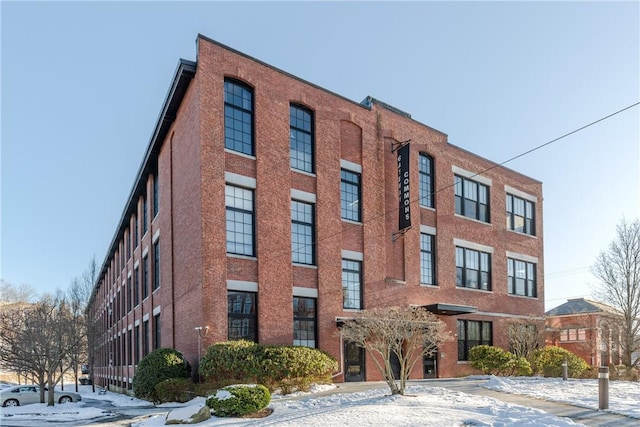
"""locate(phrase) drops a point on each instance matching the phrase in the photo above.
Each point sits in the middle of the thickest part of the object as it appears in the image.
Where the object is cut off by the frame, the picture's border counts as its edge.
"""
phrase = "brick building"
(267, 208)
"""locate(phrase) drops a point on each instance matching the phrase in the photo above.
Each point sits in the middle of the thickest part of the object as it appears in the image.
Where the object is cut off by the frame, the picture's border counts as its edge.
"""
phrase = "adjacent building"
(268, 208)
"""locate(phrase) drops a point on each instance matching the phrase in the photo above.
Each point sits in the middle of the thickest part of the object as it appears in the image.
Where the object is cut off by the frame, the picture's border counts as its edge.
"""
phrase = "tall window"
(521, 215)
(242, 316)
(350, 195)
(156, 265)
(136, 286)
(136, 345)
(240, 230)
(156, 331)
(426, 180)
(427, 259)
(304, 321)
(145, 338)
(301, 138)
(473, 269)
(472, 199)
(127, 243)
(302, 233)
(129, 347)
(351, 284)
(145, 277)
(238, 117)
(136, 235)
(129, 295)
(472, 333)
(521, 278)
(145, 212)
(156, 195)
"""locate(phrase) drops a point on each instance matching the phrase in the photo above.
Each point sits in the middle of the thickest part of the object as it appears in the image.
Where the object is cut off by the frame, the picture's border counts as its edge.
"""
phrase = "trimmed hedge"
(288, 368)
(496, 361)
(239, 400)
(548, 362)
(175, 390)
(155, 367)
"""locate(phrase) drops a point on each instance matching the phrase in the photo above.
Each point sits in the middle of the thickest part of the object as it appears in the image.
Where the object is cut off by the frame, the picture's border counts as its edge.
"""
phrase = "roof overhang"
(446, 309)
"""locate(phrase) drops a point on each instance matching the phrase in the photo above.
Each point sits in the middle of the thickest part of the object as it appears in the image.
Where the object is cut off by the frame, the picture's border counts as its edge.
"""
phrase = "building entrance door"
(353, 362)
(430, 364)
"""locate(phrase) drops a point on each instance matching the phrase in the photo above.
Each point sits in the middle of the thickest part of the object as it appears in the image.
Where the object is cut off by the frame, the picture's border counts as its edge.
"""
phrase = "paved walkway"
(588, 417)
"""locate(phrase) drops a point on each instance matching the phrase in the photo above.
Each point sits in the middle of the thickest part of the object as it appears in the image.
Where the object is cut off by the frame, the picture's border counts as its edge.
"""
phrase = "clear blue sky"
(83, 84)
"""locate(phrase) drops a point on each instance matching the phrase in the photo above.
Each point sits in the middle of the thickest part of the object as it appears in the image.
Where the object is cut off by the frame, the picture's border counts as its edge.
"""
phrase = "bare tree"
(10, 293)
(525, 336)
(618, 270)
(409, 333)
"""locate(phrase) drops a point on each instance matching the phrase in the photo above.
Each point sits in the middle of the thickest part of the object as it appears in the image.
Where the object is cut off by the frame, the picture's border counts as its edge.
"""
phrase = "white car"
(24, 394)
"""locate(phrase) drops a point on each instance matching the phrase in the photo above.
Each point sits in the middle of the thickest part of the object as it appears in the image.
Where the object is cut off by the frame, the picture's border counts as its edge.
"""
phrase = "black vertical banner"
(404, 211)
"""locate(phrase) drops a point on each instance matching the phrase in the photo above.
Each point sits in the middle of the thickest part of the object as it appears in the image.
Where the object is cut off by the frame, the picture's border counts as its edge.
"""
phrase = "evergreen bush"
(496, 361)
(548, 362)
(155, 367)
(174, 390)
(238, 400)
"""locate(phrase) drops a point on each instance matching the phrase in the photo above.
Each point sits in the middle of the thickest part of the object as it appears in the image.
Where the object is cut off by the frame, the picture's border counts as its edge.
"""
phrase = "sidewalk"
(586, 416)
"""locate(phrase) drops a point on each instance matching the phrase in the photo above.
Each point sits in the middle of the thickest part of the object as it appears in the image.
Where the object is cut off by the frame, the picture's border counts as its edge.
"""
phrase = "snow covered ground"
(424, 404)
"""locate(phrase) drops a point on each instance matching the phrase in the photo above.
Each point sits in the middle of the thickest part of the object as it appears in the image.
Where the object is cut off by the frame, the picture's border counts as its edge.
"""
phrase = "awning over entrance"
(450, 309)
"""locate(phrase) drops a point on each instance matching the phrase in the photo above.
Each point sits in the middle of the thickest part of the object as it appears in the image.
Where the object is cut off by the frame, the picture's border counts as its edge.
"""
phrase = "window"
(350, 195)
(129, 347)
(302, 233)
(136, 287)
(573, 334)
(521, 215)
(156, 195)
(145, 223)
(145, 277)
(127, 240)
(472, 333)
(521, 277)
(145, 338)
(473, 269)
(304, 321)
(427, 259)
(156, 265)
(301, 138)
(240, 230)
(471, 198)
(136, 235)
(156, 331)
(136, 345)
(238, 117)
(129, 295)
(351, 284)
(242, 316)
(426, 180)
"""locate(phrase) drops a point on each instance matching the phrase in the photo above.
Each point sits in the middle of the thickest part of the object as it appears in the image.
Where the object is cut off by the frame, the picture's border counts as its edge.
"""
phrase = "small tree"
(525, 336)
(410, 333)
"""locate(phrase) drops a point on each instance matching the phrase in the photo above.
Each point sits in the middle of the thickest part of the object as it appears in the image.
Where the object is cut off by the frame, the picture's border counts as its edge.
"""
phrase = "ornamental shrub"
(175, 390)
(496, 361)
(548, 362)
(234, 361)
(238, 400)
(155, 367)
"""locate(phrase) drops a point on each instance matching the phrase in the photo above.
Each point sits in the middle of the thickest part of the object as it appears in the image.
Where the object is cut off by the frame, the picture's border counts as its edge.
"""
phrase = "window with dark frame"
(240, 220)
(427, 259)
(238, 117)
(136, 345)
(426, 183)
(156, 331)
(145, 223)
(129, 347)
(145, 277)
(304, 322)
(129, 295)
(156, 195)
(145, 338)
(471, 199)
(473, 269)
(521, 215)
(472, 333)
(351, 284)
(302, 233)
(521, 278)
(136, 234)
(301, 138)
(156, 265)
(350, 189)
(242, 316)
(136, 287)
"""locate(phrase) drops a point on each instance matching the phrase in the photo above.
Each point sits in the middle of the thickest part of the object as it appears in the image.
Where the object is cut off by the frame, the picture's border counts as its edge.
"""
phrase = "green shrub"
(155, 367)
(233, 361)
(239, 400)
(548, 362)
(175, 390)
(496, 361)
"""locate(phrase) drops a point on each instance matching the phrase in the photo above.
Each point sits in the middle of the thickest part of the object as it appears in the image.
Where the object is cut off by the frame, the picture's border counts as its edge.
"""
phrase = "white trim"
(356, 256)
(136, 264)
(137, 322)
(353, 167)
(471, 175)
(522, 257)
(504, 315)
(145, 318)
(129, 327)
(145, 252)
(237, 179)
(129, 274)
(303, 196)
(242, 285)
(472, 245)
(521, 194)
(238, 153)
(299, 291)
(427, 229)
(156, 311)
(156, 236)
(311, 174)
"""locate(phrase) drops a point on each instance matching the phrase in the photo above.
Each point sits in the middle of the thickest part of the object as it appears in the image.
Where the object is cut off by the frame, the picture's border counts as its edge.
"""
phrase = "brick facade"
(188, 158)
